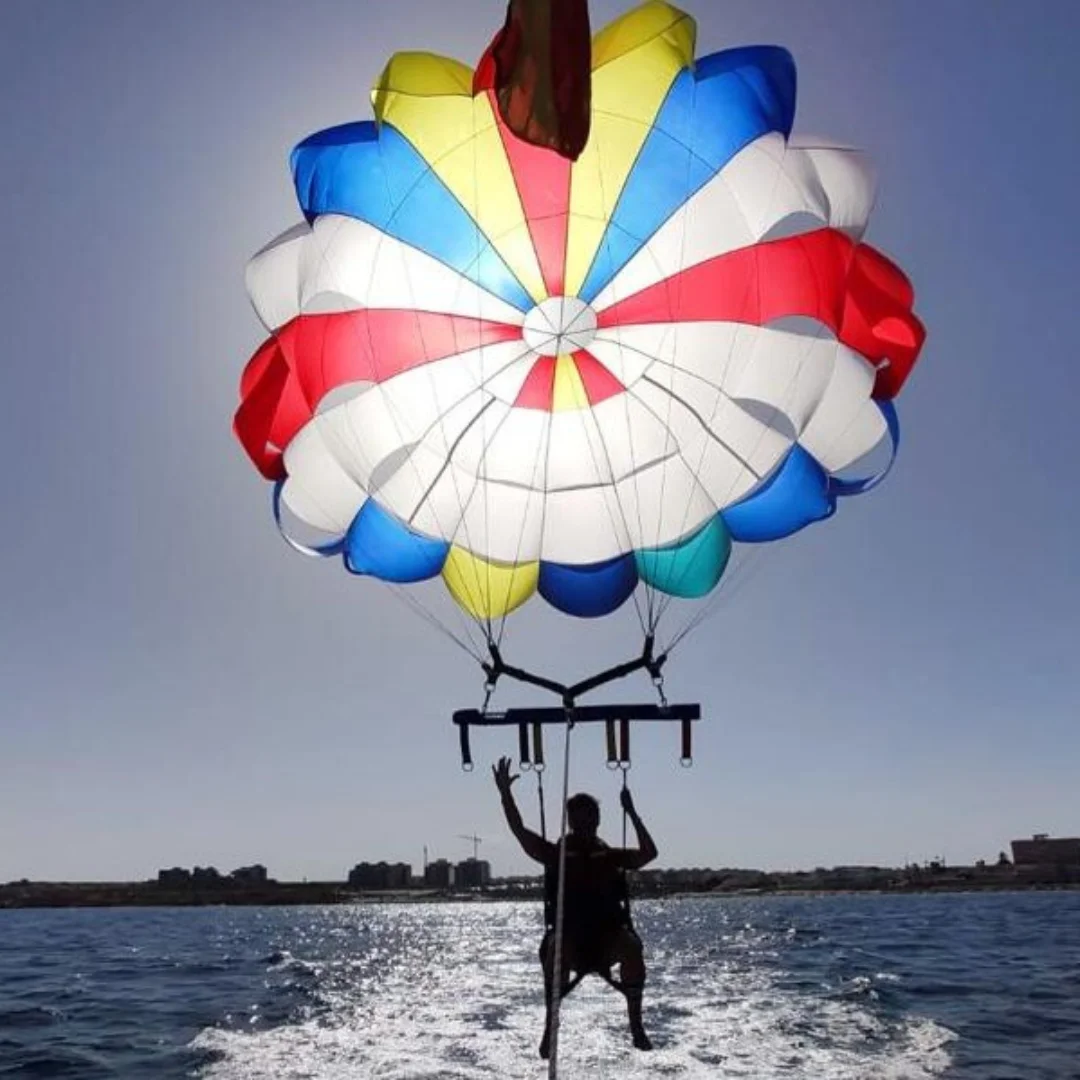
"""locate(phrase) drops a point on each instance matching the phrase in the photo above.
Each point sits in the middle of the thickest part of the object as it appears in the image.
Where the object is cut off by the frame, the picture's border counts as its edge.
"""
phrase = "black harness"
(590, 913)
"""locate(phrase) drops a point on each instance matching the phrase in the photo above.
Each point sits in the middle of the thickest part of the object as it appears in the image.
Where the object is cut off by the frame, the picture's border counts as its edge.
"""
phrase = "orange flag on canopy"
(539, 66)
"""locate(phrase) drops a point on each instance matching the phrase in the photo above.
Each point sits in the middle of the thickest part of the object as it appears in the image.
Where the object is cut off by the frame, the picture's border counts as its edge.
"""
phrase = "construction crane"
(476, 842)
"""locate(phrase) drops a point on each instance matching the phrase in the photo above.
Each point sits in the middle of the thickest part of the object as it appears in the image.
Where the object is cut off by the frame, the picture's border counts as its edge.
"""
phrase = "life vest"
(596, 900)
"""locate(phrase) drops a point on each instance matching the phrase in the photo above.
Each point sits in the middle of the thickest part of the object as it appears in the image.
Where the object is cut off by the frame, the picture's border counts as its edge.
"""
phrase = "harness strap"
(540, 797)
(625, 898)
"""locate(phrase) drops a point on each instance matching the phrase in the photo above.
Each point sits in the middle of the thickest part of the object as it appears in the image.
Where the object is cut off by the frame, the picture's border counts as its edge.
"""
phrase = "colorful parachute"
(529, 374)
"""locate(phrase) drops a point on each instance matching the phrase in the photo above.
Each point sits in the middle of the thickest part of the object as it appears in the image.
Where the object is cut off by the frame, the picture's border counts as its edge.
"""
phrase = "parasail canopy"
(528, 374)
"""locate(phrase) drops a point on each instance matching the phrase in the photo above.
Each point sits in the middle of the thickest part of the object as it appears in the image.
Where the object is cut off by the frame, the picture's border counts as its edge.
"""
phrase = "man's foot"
(641, 1040)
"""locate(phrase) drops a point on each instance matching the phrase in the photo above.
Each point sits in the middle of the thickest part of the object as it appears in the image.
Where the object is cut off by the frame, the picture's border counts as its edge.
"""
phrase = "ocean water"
(970, 987)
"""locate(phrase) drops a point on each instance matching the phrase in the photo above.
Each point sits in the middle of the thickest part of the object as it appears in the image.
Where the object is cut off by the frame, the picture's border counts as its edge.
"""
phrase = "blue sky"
(177, 687)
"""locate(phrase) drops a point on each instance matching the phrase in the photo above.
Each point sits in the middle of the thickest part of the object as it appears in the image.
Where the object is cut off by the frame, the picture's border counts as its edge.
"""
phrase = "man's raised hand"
(503, 776)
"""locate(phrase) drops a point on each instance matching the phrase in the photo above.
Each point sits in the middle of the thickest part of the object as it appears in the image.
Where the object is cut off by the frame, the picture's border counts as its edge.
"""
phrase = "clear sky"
(177, 687)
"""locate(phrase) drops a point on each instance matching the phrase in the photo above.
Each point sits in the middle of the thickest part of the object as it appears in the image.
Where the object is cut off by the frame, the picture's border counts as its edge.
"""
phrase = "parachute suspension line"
(463, 499)
(477, 591)
(395, 417)
(482, 602)
(729, 578)
(467, 645)
(555, 990)
(703, 614)
(495, 630)
(545, 452)
(484, 622)
(660, 607)
(644, 622)
(723, 400)
(729, 588)
(647, 622)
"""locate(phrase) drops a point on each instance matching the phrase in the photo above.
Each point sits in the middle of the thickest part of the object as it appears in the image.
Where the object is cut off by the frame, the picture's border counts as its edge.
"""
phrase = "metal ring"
(625, 765)
(612, 765)
(467, 766)
(538, 766)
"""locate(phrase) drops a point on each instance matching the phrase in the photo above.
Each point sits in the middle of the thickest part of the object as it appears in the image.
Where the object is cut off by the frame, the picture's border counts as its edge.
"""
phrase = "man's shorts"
(594, 952)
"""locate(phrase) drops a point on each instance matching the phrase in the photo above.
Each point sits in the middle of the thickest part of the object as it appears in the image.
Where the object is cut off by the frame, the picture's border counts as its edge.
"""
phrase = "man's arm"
(636, 858)
(536, 847)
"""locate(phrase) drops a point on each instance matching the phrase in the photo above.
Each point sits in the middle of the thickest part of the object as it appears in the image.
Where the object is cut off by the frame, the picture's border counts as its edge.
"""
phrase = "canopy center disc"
(560, 326)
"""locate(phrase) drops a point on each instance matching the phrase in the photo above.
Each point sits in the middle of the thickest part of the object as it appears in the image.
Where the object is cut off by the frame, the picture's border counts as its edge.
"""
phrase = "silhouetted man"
(597, 931)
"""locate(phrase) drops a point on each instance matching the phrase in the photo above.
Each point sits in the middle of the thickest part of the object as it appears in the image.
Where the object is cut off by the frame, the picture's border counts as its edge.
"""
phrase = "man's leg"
(547, 961)
(631, 958)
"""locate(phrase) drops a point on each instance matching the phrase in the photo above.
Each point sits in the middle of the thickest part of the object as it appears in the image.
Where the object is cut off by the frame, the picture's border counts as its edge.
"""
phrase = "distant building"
(250, 875)
(1045, 851)
(380, 875)
(439, 874)
(176, 875)
(398, 875)
(472, 874)
(367, 876)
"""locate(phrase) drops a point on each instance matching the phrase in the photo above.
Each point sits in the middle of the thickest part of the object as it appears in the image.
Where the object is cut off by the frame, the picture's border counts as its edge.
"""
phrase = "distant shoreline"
(28, 894)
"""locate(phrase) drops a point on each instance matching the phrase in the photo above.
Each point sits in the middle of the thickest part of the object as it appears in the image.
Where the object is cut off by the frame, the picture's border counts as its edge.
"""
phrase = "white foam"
(464, 1002)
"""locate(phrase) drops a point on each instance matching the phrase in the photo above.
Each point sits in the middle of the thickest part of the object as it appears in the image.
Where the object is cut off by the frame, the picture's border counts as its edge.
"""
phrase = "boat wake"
(454, 994)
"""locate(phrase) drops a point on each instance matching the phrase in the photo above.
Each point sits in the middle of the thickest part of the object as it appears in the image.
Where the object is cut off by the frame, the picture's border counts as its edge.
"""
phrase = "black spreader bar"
(581, 714)
(622, 715)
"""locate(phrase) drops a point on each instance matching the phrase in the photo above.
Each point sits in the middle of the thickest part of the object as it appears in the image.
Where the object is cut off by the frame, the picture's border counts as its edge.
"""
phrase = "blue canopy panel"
(691, 568)
(796, 495)
(845, 486)
(588, 592)
(378, 544)
(316, 551)
(373, 173)
(800, 492)
(711, 113)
